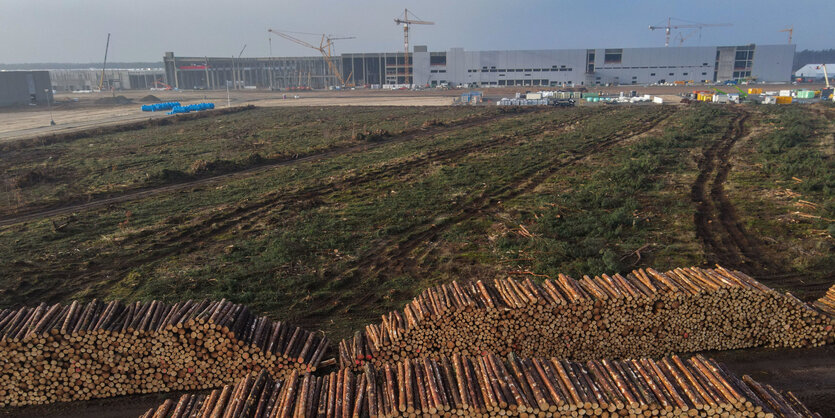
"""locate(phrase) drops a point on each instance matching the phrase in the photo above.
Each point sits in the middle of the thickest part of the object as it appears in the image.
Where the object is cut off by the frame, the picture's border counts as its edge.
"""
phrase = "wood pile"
(645, 313)
(101, 349)
(490, 386)
(826, 304)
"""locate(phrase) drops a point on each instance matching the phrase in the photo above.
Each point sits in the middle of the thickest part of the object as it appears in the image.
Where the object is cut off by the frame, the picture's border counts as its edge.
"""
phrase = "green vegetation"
(789, 166)
(598, 217)
(84, 168)
(334, 242)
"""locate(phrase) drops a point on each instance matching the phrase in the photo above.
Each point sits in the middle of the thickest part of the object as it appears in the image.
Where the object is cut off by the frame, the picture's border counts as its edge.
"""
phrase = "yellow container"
(705, 97)
(784, 99)
(755, 91)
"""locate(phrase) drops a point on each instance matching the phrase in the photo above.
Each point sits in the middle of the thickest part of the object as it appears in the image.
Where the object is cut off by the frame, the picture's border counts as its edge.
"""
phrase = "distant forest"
(808, 56)
(76, 66)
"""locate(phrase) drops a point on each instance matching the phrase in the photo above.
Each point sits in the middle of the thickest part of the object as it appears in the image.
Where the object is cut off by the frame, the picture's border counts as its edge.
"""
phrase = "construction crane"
(406, 22)
(669, 27)
(790, 30)
(325, 48)
(106, 47)
(826, 92)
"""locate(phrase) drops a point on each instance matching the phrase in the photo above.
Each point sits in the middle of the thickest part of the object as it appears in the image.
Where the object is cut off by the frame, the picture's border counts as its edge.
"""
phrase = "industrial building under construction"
(548, 67)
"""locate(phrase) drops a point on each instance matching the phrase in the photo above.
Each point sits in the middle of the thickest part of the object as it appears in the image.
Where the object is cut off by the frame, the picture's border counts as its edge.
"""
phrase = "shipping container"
(720, 98)
(784, 99)
(755, 91)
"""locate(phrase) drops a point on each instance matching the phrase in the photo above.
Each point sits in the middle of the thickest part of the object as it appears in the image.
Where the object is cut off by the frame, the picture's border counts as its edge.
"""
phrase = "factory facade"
(21, 88)
(118, 79)
(551, 68)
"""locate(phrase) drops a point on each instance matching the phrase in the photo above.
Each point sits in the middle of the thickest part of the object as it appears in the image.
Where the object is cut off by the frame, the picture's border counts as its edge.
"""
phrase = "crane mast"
(324, 48)
(698, 26)
(790, 30)
(104, 64)
(406, 22)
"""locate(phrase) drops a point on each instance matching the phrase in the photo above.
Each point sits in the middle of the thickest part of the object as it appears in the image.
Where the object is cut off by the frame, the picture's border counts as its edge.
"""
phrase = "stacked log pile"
(490, 386)
(827, 303)
(82, 351)
(645, 313)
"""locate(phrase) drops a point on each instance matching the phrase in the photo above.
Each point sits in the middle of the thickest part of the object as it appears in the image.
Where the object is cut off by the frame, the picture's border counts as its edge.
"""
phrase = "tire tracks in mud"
(717, 224)
(388, 256)
(174, 241)
(154, 191)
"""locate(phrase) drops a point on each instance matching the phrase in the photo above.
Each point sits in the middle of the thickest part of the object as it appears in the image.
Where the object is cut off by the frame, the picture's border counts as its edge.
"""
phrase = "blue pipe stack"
(156, 107)
(191, 108)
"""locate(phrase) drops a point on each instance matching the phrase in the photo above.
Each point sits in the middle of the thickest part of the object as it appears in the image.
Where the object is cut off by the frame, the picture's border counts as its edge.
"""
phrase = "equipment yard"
(328, 217)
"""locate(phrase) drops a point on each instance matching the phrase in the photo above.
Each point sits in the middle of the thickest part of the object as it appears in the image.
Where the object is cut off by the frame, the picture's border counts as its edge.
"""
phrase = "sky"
(142, 30)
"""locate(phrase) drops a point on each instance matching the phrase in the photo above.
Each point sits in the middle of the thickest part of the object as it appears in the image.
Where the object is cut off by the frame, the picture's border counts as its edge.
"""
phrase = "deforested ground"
(330, 217)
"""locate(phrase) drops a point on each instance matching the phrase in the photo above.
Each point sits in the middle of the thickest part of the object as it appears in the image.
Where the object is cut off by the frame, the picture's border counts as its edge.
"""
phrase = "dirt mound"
(150, 99)
(114, 100)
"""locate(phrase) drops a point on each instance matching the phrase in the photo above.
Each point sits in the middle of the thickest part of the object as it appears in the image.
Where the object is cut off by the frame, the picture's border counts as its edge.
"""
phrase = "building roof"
(814, 70)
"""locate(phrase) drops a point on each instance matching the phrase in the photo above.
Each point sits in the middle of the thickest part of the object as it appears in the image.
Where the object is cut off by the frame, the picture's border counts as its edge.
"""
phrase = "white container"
(785, 93)
(657, 100)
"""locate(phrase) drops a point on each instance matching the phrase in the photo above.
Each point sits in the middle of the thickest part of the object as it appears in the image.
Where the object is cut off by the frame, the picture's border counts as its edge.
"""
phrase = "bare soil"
(73, 111)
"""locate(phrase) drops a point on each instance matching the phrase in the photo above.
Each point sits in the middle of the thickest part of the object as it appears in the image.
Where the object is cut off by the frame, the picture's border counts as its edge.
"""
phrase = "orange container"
(784, 99)
(755, 91)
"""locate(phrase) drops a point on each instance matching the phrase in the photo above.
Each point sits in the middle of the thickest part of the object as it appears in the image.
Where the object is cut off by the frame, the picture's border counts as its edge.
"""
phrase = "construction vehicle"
(406, 22)
(826, 92)
(162, 85)
(325, 48)
(692, 25)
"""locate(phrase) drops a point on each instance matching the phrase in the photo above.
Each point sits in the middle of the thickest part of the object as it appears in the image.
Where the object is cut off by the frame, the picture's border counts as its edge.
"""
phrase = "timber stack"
(645, 313)
(490, 386)
(102, 349)
(826, 304)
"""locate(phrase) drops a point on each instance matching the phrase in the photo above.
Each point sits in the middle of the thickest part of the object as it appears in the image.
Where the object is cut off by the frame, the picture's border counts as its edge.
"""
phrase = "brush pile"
(94, 350)
(488, 385)
(646, 313)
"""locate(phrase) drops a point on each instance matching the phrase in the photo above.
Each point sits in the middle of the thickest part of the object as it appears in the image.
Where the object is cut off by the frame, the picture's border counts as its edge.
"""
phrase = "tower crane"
(324, 48)
(106, 48)
(698, 26)
(406, 22)
(790, 30)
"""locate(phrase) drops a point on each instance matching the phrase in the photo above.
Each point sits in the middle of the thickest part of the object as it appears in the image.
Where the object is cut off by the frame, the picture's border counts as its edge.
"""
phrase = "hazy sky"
(142, 30)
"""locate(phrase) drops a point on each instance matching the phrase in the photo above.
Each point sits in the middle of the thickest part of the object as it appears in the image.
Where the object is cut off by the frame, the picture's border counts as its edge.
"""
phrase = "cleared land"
(394, 200)
(403, 198)
(77, 111)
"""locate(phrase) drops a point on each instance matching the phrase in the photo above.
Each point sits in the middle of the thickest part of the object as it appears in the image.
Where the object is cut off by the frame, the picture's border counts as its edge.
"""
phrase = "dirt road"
(17, 125)
(79, 111)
